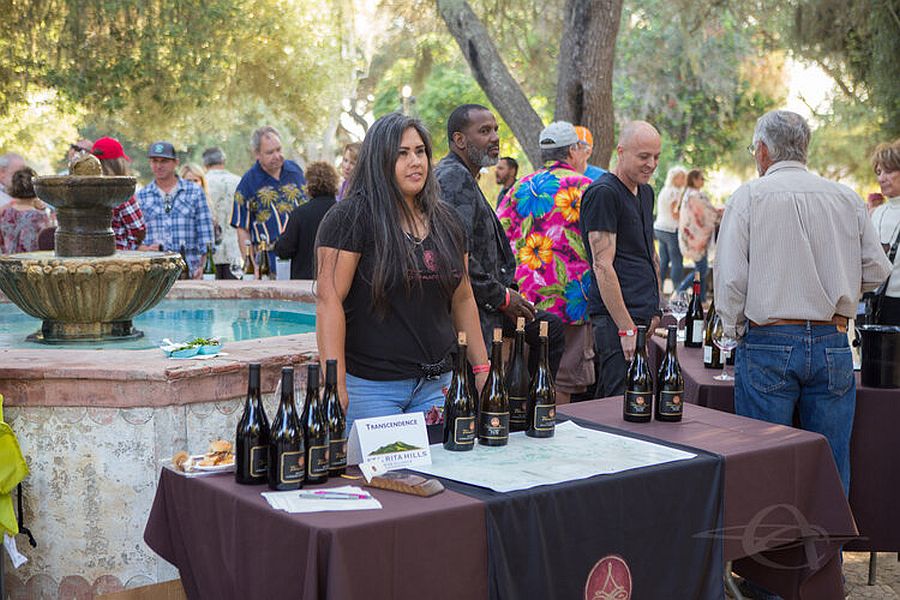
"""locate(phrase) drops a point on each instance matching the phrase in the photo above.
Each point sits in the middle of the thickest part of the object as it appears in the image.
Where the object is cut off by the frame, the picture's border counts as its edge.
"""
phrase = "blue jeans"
(809, 367)
(702, 267)
(669, 252)
(380, 398)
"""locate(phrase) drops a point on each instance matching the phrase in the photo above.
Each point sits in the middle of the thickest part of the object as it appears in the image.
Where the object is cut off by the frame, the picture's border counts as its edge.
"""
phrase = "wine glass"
(236, 267)
(726, 342)
(678, 306)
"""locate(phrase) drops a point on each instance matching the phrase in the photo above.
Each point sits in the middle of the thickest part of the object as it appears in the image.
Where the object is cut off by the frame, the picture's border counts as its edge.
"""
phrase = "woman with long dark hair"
(393, 286)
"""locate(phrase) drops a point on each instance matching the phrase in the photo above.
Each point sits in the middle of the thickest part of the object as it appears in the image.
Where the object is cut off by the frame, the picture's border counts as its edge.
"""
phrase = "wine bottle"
(315, 430)
(493, 419)
(185, 269)
(693, 334)
(459, 405)
(249, 272)
(639, 382)
(252, 438)
(265, 272)
(712, 356)
(669, 382)
(286, 450)
(518, 381)
(337, 422)
(542, 394)
(209, 267)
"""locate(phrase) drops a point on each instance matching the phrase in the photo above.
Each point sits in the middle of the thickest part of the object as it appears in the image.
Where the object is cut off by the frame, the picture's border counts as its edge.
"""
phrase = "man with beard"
(506, 172)
(474, 145)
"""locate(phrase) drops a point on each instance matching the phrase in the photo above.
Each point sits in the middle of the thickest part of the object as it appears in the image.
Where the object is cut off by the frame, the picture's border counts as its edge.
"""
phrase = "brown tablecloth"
(228, 543)
(874, 447)
(775, 477)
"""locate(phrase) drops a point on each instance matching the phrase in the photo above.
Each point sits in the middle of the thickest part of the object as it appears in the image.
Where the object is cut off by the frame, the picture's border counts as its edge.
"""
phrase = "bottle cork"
(520, 324)
(498, 334)
(461, 338)
(544, 328)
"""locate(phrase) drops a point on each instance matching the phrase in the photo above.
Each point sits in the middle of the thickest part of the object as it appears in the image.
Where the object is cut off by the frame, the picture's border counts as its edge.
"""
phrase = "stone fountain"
(86, 291)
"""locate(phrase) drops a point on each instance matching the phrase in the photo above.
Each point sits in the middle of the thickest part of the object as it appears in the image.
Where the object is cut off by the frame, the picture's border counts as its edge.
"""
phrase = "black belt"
(432, 371)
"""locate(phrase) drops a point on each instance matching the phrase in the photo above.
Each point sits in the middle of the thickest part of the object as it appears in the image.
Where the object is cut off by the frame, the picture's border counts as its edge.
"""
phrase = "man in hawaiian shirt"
(540, 217)
(175, 210)
(267, 193)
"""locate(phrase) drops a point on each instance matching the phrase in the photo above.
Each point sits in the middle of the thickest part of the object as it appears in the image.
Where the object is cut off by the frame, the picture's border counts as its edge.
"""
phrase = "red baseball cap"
(107, 148)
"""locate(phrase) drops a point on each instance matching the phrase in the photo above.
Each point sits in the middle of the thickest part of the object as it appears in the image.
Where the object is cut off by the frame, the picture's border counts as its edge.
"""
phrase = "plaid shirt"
(180, 219)
(128, 225)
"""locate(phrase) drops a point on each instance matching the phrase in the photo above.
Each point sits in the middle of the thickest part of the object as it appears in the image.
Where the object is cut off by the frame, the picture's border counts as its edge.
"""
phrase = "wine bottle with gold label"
(251, 456)
(265, 271)
(209, 266)
(315, 430)
(493, 418)
(639, 383)
(518, 381)
(287, 455)
(249, 273)
(542, 395)
(669, 382)
(337, 422)
(459, 405)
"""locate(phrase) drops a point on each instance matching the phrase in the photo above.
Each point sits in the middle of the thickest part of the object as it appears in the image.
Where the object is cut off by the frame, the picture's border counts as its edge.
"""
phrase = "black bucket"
(880, 349)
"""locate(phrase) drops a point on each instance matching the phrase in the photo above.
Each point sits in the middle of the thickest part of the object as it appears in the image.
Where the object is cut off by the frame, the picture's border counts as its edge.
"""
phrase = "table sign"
(394, 441)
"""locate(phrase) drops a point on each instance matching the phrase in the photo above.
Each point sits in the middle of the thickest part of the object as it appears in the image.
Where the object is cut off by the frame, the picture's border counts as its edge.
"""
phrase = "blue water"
(181, 320)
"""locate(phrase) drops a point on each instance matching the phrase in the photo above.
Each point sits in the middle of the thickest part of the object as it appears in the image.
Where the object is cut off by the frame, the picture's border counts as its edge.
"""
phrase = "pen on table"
(334, 495)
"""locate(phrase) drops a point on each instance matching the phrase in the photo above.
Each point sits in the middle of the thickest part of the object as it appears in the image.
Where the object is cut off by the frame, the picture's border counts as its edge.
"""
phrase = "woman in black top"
(393, 286)
(298, 242)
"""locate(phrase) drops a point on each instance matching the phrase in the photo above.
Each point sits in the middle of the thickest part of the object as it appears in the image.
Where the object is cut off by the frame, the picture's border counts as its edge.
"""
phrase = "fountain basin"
(87, 298)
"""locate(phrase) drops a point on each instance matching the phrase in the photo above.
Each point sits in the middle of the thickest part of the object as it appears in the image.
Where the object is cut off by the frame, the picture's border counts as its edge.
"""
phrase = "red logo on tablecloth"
(610, 579)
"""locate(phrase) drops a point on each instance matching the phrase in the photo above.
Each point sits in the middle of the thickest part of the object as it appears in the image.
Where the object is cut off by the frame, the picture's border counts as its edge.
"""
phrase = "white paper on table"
(295, 502)
(572, 453)
(9, 542)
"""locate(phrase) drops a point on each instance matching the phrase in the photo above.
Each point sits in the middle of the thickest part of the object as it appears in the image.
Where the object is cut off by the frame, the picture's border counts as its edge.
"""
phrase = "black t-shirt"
(417, 328)
(607, 205)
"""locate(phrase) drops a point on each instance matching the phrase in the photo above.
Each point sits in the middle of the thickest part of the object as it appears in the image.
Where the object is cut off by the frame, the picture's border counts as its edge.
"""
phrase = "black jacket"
(298, 242)
(492, 264)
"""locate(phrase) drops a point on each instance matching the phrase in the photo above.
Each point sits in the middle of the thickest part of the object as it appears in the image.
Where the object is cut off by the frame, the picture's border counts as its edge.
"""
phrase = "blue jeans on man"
(808, 367)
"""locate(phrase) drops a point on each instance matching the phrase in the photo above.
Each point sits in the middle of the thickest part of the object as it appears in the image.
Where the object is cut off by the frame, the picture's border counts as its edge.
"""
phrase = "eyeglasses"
(167, 203)
(752, 149)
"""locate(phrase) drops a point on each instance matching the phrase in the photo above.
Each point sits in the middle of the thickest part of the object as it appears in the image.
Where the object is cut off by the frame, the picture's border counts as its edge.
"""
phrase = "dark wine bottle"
(249, 274)
(185, 269)
(265, 271)
(315, 430)
(669, 382)
(337, 422)
(209, 267)
(518, 381)
(712, 356)
(459, 405)
(542, 394)
(639, 382)
(287, 454)
(693, 334)
(493, 419)
(252, 438)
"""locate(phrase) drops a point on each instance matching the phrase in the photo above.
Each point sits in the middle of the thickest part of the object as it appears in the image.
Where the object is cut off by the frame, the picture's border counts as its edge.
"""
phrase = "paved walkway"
(887, 583)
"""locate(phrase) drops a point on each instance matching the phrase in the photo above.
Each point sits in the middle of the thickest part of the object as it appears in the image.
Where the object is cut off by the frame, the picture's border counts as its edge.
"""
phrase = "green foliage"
(842, 144)
(858, 42)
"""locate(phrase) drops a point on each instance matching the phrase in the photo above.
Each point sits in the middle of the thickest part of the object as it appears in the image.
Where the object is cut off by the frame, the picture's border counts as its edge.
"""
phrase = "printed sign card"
(395, 441)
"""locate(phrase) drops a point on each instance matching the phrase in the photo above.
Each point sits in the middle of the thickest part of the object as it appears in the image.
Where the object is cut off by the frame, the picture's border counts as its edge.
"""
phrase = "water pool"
(178, 320)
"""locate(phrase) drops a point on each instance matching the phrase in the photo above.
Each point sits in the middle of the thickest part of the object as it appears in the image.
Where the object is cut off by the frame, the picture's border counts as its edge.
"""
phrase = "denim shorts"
(368, 398)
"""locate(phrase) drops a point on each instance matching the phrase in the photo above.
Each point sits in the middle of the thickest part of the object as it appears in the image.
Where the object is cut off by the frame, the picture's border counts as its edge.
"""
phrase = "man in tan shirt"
(795, 252)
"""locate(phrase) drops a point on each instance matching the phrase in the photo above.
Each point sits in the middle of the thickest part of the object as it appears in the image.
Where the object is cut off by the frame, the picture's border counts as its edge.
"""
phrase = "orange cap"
(584, 135)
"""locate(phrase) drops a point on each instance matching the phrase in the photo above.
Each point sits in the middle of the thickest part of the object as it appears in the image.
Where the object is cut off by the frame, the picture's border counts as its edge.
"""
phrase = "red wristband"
(628, 332)
(505, 302)
(478, 369)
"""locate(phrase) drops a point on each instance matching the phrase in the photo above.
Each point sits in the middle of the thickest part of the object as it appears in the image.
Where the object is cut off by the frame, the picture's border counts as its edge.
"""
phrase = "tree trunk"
(585, 72)
(492, 75)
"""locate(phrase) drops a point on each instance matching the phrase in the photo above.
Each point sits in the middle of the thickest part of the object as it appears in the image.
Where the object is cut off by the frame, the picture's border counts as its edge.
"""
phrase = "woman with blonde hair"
(666, 225)
(886, 219)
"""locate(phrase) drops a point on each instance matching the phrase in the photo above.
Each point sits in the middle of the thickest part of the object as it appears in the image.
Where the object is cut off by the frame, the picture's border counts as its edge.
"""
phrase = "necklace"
(415, 240)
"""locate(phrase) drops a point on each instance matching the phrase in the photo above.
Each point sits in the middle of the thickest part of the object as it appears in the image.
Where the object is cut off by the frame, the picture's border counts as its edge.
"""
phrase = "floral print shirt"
(540, 216)
(697, 224)
(19, 229)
